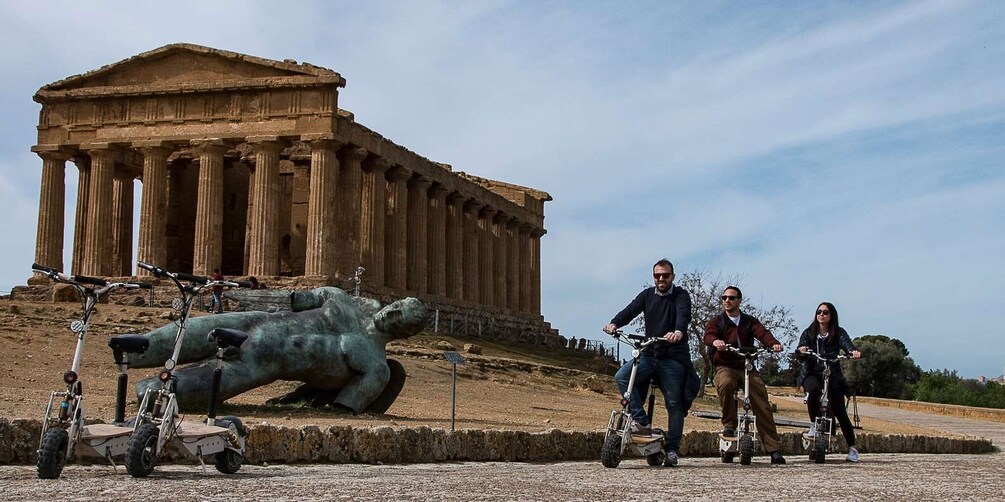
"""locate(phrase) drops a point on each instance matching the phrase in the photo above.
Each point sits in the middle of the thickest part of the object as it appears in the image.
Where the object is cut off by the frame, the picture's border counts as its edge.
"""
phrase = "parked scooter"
(158, 421)
(820, 440)
(65, 434)
(745, 441)
(619, 437)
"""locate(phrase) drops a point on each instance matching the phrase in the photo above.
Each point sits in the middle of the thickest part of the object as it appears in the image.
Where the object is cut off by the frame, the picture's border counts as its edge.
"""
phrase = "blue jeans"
(671, 378)
(216, 303)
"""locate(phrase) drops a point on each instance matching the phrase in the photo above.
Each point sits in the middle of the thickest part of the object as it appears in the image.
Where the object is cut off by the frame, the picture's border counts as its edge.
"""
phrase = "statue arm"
(372, 375)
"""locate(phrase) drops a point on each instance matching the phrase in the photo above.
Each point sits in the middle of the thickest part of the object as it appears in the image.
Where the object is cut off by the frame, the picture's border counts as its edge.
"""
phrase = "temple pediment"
(187, 67)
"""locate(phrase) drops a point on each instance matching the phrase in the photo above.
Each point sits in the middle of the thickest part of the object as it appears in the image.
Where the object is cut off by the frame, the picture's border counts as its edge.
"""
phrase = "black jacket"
(829, 348)
(663, 314)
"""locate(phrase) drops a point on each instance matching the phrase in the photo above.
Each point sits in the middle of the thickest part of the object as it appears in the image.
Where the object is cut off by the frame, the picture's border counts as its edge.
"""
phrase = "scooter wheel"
(656, 458)
(52, 454)
(610, 453)
(727, 458)
(820, 448)
(141, 456)
(746, 450)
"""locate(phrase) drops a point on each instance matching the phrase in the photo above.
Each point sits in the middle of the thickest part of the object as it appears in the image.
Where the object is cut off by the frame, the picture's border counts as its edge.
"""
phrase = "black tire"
(141, 456)
(746, 448)
(230, 461)
(610, 454)
(727, 457)
(656, 459)
(52, 454)
(820, 448)
(813, 453)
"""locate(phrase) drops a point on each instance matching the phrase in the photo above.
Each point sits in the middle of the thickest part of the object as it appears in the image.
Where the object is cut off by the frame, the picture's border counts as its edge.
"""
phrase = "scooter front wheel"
(610, 453)
(820, 448)
(746, 449)
(656, 459)
(52, 454)
(141, 456)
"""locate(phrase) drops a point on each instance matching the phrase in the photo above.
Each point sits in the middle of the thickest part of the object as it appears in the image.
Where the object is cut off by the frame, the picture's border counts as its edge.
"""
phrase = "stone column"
(395, 252)
(418, 222)
(263, 248)
(486, 250)
(208, 249)
(320, 253)
(152, 246)
(455, 245)
(98, 236)
(51, 201)
(437, 235)
(347, 215)
(499, 258)
(525, 276)
(535, 270)
(122, 222)
(471, 264)
(372, 211)
(83, 163)
(513, 267)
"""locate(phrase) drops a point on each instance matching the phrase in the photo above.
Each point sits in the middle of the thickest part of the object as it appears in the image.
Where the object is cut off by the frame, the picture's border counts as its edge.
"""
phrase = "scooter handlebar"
(827, 359)
(42, 268)
(182, 276)
(94, 281)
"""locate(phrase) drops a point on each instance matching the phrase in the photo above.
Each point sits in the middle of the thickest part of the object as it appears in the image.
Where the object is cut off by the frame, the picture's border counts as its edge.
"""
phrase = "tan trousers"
(729, 380)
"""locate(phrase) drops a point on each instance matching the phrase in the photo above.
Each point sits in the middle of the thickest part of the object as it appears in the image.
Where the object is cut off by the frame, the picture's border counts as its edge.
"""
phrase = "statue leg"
(194, 382)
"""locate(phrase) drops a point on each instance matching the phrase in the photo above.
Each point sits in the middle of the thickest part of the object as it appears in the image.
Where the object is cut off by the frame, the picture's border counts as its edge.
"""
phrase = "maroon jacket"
(721, 327)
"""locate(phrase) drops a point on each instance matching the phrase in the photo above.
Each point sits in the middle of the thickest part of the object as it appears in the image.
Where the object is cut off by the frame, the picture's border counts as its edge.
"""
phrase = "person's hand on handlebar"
(673, 336)
(803, 349)
(777, 347)
(856, 354)
(719, 344)
(610, 329)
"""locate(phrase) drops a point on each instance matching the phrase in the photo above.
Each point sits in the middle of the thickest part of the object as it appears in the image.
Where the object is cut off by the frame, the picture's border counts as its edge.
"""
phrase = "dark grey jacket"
(829, 348)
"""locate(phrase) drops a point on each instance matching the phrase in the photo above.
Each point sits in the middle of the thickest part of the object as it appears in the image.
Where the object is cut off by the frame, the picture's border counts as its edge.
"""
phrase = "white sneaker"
(813, 429)
(852, 455)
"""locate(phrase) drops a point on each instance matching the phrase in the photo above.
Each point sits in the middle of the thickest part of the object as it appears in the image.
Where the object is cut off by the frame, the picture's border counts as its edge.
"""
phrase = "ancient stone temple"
(249, 165)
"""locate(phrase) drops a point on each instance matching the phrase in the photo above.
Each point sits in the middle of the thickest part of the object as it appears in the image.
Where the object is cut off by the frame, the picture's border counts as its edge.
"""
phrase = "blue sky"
(846, 151)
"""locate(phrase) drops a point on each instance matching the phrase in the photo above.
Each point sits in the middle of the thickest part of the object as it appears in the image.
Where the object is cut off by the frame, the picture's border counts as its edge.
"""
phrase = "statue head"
(401, 319)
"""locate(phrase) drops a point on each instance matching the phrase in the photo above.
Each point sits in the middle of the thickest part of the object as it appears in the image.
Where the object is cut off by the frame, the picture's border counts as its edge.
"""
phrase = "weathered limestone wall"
(373, 445)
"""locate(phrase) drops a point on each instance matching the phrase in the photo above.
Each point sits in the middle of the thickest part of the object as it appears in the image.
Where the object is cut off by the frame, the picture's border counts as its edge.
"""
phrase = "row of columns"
(410, 233)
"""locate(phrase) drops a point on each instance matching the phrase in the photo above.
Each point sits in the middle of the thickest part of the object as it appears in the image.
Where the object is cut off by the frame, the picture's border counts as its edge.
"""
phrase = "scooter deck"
(103, 431)
(643, 438)
(196, 430)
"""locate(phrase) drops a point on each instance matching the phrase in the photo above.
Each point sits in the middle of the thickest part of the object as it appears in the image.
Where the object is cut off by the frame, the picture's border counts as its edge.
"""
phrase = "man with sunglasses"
(667, 312)
(737, 329)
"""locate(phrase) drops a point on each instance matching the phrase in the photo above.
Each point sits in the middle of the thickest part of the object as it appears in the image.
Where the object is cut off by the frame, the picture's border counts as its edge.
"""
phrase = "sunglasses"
(823, 312)
(662, 276)
(729, 298)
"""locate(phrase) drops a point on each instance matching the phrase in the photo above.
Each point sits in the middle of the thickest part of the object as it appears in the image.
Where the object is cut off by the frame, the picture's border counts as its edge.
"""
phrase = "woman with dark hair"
(827, 338)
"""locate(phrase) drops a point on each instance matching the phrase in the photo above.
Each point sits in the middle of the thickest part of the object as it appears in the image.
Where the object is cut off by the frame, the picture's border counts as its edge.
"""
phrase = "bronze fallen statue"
(331, 343)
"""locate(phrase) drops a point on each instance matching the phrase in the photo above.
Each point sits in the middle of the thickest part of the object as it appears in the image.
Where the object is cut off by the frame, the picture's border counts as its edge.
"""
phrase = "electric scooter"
(619, 437)
(745, 441)
(65, 434)
(821, 440)
(158, 421)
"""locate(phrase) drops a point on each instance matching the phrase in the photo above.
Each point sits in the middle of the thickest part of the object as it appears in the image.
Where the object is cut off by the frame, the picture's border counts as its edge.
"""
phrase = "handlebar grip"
(143, 285)
(43, 268)
(243, 284)
(146, 266)
(636, 337)
(94, 281)
(191, 278)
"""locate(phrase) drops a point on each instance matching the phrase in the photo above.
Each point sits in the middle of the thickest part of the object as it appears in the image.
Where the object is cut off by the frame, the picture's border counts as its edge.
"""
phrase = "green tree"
(885, 369)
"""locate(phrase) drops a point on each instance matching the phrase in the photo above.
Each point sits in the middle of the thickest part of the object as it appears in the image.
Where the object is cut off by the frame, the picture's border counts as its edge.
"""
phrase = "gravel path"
(877, 476)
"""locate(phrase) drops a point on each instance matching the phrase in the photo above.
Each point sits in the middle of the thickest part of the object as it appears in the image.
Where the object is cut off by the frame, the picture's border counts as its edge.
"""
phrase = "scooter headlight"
(70, 377)
(164, 376)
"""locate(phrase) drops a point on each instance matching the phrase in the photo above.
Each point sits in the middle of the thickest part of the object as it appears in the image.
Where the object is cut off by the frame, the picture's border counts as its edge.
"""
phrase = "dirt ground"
(506, 387)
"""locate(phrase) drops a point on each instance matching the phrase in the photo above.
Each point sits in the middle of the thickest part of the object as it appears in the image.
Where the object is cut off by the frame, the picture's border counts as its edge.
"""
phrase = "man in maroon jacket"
(735, 328)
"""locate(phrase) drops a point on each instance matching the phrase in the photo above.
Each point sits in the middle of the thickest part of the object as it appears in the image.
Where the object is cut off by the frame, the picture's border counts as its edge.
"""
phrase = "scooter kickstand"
(108, 455)
(198, 455)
